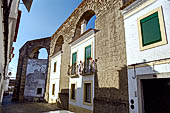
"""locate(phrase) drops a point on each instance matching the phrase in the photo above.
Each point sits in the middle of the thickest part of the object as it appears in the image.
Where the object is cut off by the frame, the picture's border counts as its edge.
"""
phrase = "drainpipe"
(134, 72)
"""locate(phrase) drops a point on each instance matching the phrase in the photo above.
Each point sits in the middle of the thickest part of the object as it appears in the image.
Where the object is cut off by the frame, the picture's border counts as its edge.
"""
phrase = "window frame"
(55, 67)
(72, 57)
(90, 52)
(162, 30)
(73, 100)
(53, 89)
(84, 93)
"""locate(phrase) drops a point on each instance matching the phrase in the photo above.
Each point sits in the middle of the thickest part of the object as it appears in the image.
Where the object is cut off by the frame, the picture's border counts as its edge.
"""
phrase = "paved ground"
(12, 107)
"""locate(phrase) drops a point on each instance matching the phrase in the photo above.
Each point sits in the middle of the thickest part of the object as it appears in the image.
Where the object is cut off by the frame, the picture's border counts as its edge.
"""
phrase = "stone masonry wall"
(111, 87)
(28, 51)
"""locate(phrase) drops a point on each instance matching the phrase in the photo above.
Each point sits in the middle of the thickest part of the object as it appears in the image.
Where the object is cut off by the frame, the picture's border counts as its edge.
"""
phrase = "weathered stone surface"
(28, 51)
(111, 85)
(35, 78)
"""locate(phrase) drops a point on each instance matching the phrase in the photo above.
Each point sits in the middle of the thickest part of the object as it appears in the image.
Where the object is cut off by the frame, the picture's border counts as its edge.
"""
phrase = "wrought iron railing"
(89, 67)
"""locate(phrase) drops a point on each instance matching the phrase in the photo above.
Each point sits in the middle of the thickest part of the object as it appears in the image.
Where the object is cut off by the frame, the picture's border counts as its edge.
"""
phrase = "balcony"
(126, 3)
(89, 67)
(73, 71)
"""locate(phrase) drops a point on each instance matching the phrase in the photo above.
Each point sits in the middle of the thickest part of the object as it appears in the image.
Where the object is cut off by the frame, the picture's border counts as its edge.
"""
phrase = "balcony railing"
(73, 70)
(89, 67)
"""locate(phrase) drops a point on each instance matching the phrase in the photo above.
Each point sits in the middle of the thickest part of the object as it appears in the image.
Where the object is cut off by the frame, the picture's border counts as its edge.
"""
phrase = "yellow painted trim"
(148, 2)
(150, 63)
(78, 109)
(92, 50)
(162, 29)
(91, 82)
(73, 100)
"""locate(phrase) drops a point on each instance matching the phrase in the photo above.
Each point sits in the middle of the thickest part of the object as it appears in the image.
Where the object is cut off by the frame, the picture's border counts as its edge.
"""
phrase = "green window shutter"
(150, 28)
(88, 52)
(74, 58)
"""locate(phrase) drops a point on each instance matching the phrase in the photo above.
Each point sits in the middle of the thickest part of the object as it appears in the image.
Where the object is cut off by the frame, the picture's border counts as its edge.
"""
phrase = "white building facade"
(55, 62)
(9, 24)
(81, 72)
(147, 33)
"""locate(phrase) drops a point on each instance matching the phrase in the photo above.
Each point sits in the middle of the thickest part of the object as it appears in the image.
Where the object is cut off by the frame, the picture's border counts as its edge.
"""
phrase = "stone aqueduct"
(29, 50)
(111, 84)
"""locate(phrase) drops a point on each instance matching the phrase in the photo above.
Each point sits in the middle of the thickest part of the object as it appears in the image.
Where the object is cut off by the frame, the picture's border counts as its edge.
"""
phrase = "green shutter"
(74, 57)
(150, 28)
(88, 52)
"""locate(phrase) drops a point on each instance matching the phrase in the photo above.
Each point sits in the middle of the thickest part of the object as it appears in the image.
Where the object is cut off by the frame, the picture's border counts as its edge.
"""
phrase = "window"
(88, 52)
(55, 66)
(39, 91)
(87, 59)
(87, 92)
(73, 92)
(53, 89)
(74, 60)
(152, 30)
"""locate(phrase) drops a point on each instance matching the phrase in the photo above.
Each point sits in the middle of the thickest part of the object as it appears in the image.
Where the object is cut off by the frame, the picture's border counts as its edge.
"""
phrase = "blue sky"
(45, 17)
(42, 21)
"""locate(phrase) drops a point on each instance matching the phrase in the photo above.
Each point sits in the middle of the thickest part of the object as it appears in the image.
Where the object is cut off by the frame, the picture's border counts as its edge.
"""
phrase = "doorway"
(156, 95)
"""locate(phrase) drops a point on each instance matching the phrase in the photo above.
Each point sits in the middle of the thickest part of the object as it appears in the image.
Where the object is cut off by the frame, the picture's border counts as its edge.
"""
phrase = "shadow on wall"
(63, 99)
(112, 99)
(153, 88)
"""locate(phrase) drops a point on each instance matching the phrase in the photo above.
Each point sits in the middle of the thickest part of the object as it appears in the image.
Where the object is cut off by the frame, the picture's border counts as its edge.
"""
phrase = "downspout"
(134, 77)
(6, 12)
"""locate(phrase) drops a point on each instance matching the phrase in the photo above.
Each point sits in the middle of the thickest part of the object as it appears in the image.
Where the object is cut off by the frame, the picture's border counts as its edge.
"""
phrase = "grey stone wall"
(35, 78)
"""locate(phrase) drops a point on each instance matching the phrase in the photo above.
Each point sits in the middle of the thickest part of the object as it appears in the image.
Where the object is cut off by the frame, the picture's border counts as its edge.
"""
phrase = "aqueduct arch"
(84, 19)
(58, 44)
(111, 87)
(28, 51)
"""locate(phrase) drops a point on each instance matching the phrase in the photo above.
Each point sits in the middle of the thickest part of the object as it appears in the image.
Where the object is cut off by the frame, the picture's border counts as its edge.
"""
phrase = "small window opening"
(73, 95)
(53, 89)
(55, 66)
(39, 91)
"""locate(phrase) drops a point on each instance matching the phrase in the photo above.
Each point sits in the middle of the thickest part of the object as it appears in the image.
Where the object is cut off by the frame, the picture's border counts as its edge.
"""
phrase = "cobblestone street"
(30, 107)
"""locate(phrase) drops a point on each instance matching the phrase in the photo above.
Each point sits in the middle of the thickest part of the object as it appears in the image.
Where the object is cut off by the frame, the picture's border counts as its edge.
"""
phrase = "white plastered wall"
(134, 55)
(79, 47)
(55, 77)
